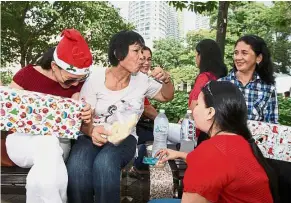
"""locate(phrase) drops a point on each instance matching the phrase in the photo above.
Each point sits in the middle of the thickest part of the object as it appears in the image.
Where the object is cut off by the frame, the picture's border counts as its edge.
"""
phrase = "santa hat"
(72, 53)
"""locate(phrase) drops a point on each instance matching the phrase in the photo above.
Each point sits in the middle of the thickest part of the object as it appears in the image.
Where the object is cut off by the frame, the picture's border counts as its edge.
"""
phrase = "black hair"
(265, 68)
(145, 48)
(231, 116)
(45, 60)
(119, 43)
(211, 59)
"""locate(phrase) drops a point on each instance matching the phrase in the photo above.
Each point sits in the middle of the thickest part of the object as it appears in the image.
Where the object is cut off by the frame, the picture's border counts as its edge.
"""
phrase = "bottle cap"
(189, 111)
(162, 111)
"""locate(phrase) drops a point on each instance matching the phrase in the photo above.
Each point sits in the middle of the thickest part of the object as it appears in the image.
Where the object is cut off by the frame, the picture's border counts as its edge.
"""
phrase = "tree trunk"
(222, 24)
(22, 60)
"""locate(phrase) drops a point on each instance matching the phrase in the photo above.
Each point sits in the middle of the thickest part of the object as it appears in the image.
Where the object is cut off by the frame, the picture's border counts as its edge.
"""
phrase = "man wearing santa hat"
(61, 71)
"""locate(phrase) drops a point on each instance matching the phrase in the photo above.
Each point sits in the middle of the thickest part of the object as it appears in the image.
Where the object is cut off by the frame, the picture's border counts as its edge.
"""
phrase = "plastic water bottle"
(161, 130)
(187, 133)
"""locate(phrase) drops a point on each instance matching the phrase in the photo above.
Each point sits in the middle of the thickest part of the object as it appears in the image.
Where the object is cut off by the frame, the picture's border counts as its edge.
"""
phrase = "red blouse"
(223, 169)
(200, 82)
(30, 79)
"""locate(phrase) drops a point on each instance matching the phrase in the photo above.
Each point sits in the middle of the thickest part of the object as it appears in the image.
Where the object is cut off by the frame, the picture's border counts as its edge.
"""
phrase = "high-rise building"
(181, 24)
(202, 22)
(153, 20)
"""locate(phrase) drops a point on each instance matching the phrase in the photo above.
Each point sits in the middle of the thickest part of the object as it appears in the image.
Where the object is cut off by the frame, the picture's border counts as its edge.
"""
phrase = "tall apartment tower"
(202, 22)
(153, 20)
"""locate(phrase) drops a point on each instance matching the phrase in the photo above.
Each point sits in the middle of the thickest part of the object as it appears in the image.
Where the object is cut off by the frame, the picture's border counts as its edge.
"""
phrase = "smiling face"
(147, 61)
(203, 116)
(245, 58)
(134, 59)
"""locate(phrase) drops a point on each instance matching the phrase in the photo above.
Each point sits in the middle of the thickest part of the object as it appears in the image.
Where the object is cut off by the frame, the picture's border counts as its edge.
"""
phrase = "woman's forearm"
(168, 91)
(182, 155)
(87, 128)
(150, 112)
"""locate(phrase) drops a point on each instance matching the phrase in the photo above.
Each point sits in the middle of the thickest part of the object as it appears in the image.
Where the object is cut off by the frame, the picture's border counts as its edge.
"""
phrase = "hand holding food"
(120, 131)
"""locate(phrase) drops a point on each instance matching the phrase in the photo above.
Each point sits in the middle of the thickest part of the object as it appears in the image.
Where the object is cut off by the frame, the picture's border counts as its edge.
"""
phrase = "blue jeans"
(165, 201)
(94, 170)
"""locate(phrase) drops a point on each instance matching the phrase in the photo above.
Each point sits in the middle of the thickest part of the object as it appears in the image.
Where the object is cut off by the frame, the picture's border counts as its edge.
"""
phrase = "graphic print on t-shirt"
(120, 111)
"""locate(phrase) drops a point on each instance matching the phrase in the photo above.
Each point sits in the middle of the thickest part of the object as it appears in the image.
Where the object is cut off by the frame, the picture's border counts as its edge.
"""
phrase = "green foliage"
(270, 23)
(171, 53)
(195, 6)
(194, 37)
(284, 111)
(175, 109)
(6, 77)
(28, 27)
(184, 74)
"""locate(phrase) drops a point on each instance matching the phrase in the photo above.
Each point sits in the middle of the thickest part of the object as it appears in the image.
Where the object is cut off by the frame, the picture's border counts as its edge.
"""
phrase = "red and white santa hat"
(72, 53)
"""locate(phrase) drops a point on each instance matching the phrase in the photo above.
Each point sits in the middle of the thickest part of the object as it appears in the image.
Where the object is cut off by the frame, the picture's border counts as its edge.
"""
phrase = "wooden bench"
(13, 178)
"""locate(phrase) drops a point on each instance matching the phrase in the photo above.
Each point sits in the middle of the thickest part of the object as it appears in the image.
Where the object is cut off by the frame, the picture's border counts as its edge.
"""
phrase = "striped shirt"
(261, 98)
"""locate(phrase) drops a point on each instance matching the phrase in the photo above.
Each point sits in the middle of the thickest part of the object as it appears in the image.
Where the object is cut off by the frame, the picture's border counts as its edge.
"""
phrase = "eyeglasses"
(71, 81)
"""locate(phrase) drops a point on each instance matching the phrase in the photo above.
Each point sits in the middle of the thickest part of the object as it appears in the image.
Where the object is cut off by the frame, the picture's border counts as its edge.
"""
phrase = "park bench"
(167, 182)
(13, 178)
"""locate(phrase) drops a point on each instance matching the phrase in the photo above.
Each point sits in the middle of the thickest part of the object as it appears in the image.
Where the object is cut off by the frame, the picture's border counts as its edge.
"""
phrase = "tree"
(184, 74)
(6, 77)
(279, 17)
(194, 37)
(209, 6)
(221, 15)
(29, 28)
(270, 23)
(222, 24)
(171, 53)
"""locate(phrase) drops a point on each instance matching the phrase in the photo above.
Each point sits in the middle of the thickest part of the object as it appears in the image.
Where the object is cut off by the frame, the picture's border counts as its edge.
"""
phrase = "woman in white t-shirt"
(115, 93)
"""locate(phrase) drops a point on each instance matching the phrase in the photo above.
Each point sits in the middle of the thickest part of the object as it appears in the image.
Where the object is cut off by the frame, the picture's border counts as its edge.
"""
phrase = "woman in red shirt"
(209, 60)
(229, 167)
(61, 71)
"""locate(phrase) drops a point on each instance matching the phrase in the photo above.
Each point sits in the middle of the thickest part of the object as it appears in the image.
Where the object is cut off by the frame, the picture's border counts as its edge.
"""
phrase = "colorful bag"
(39, 114)
(274, 140)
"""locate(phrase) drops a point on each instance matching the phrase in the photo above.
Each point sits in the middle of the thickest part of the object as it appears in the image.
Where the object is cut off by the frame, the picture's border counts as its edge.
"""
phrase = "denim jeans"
(95, 171)
(165, 201)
